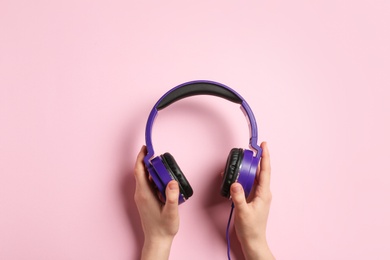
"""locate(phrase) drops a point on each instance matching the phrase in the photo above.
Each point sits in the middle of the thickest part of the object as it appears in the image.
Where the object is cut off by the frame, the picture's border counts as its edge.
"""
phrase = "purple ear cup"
(248, 169)
(241, 165)
(176, 173)
(232, 168)
(162, 177)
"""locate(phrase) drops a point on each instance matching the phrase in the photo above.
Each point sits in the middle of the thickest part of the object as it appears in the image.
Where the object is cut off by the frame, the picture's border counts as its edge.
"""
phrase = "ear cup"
(177, 174)
(231, 170)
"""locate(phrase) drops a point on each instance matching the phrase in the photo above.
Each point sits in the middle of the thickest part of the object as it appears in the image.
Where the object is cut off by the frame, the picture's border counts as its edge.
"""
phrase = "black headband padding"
(198, 88)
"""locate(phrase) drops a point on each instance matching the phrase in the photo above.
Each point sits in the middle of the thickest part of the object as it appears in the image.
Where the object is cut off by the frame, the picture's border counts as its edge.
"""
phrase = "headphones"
(241, 165)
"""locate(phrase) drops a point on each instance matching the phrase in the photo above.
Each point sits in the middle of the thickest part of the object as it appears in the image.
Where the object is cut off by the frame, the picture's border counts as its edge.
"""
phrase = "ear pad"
(177, 174)
(231, 170)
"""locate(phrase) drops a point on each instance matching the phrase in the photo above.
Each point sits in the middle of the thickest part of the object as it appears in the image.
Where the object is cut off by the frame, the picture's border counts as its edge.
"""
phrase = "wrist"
(257, 250)
(156, 248)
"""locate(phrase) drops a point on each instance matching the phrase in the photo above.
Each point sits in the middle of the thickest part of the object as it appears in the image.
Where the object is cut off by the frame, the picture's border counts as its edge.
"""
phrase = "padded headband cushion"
(198, 88)
(231, 170)
(177, 174)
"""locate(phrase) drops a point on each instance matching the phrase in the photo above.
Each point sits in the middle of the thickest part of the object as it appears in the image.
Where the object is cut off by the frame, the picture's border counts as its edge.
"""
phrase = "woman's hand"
(160, 222)
(250, 218)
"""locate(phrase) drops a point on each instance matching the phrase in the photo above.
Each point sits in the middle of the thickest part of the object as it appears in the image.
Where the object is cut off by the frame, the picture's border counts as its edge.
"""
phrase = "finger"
(264, 173)
(172, 199)
(265, 167)
(238, 197)
(139, 168)
(143, 189)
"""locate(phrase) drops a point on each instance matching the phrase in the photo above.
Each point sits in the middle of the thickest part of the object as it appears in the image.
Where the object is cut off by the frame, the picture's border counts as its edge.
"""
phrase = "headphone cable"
(227, 231)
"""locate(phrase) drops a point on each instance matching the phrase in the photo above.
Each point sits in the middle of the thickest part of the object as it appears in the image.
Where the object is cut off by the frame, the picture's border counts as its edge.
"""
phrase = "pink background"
(78, 80)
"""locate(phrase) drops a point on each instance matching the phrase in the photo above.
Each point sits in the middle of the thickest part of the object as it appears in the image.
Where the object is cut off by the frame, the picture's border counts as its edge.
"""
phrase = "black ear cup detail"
(174, 169)
(231, 170)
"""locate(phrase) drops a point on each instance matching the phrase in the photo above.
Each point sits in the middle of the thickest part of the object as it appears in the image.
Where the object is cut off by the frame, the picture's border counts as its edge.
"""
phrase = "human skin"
(160, 222)
(251, 215)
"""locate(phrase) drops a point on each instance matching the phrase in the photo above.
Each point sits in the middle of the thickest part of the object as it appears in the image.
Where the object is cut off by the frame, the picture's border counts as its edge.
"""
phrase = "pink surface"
(77, 82)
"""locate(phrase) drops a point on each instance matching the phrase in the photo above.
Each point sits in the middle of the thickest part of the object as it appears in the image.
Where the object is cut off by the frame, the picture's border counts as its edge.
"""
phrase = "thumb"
(172, 199)
(238, 196)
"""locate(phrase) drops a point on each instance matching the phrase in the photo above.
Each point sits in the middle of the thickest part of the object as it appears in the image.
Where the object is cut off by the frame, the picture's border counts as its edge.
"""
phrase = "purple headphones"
(241, 165)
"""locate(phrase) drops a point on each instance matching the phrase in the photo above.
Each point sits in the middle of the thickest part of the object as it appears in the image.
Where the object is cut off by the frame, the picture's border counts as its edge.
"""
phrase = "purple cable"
(227, 231)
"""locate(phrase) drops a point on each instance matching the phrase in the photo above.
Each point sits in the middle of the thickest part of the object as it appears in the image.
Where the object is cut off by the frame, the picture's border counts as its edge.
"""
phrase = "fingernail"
(173, 185)
(236, 188)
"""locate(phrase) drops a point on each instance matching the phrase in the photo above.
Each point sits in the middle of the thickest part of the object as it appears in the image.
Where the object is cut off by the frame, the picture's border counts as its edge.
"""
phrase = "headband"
(201, 87)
